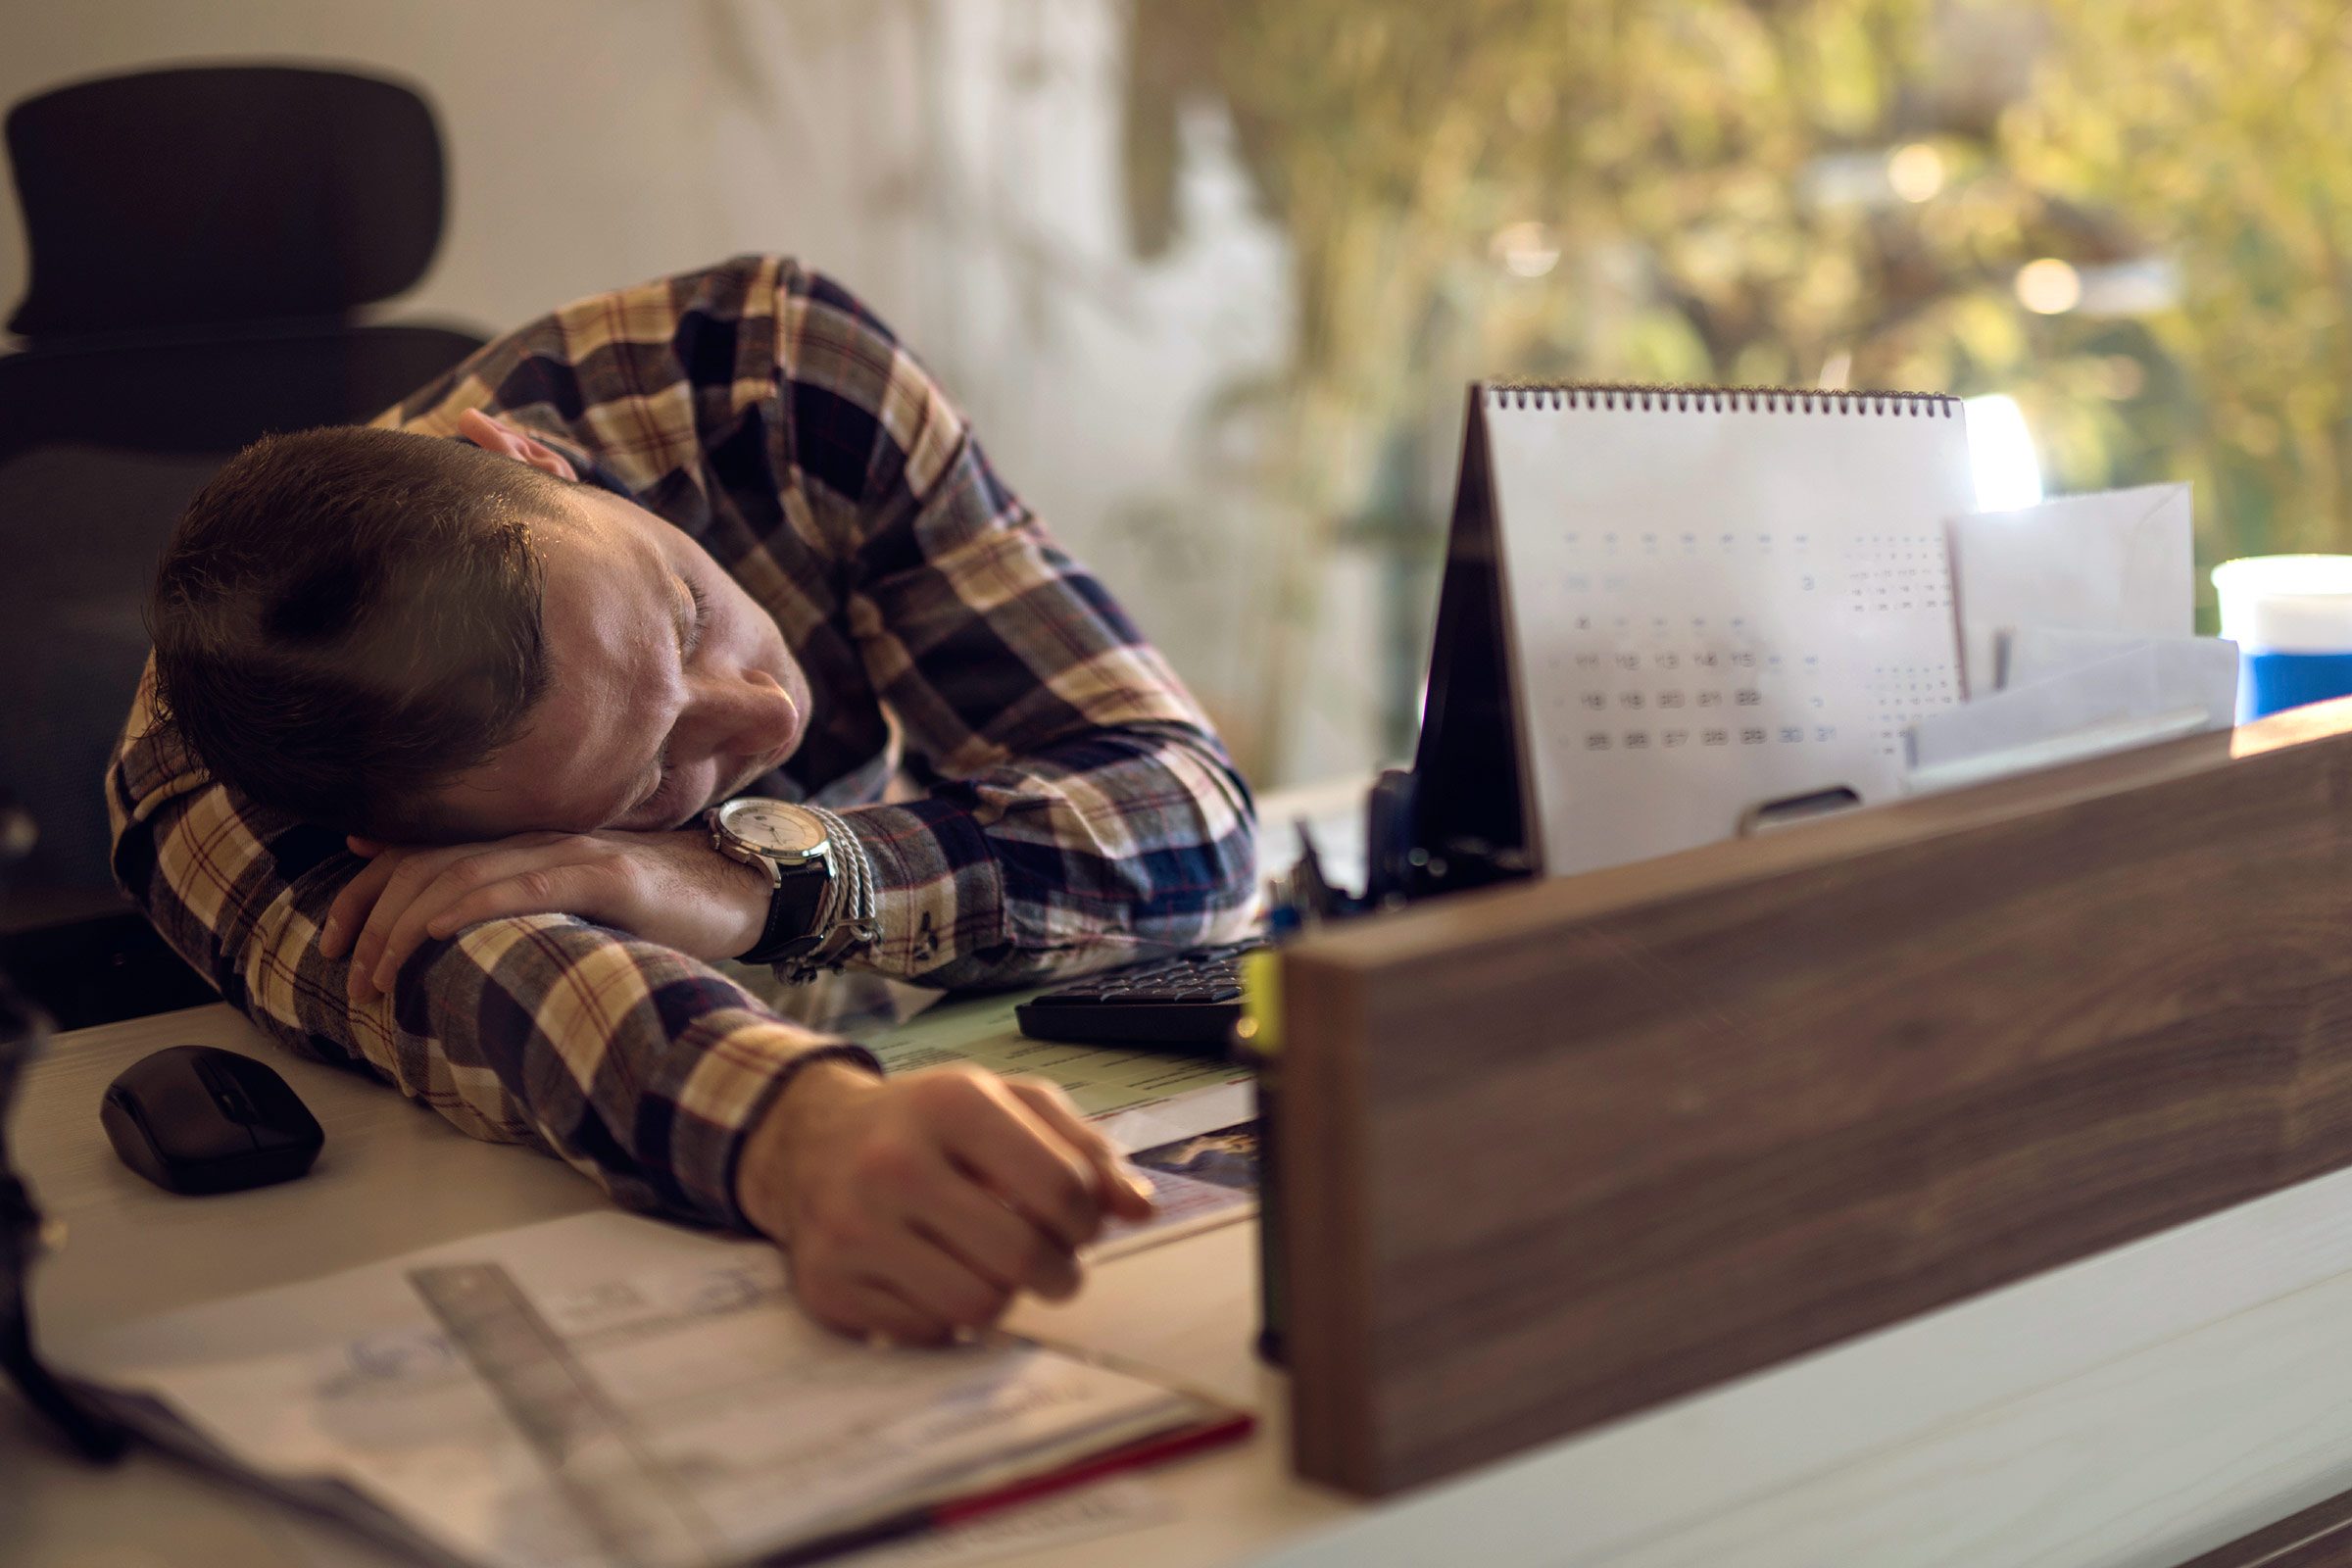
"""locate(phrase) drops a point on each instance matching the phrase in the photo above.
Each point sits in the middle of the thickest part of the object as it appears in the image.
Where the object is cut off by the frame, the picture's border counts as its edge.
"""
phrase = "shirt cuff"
(939, 893)
(723, 1094)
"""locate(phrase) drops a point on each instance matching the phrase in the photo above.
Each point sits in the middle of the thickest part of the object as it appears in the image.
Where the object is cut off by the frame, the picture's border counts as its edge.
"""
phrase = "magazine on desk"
(676, 1407)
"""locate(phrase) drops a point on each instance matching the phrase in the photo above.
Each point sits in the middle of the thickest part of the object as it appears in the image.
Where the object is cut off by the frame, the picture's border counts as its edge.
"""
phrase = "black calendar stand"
(1471, 826)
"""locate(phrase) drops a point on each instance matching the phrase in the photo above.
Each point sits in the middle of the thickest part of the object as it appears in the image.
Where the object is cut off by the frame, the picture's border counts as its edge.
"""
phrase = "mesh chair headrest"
(220, 195)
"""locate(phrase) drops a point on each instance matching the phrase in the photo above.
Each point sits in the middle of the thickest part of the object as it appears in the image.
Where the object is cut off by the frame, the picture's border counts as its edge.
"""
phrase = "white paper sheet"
(2117, 561)
(2039, 652)
(2149, 691)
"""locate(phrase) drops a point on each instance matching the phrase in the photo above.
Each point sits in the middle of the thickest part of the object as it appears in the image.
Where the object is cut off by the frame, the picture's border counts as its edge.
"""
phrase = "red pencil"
(941, 1515)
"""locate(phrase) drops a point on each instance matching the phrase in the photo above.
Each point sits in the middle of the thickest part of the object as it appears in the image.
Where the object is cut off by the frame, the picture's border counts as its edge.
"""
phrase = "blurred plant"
(2131, 215)
(2223, 135)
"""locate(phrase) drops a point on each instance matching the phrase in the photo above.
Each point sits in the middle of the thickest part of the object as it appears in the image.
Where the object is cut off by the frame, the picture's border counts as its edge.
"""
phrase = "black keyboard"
(1188, 1002)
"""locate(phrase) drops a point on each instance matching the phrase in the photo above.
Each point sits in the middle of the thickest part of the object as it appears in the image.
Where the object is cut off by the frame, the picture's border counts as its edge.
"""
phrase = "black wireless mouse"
(199, 1119)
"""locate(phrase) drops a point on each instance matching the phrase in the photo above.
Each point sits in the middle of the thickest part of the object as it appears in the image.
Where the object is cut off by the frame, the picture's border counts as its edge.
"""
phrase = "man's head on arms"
(420, 639)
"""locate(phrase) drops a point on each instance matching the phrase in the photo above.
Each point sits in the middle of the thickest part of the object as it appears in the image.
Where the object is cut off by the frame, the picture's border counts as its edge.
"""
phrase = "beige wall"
(954, 160)
(591, 140)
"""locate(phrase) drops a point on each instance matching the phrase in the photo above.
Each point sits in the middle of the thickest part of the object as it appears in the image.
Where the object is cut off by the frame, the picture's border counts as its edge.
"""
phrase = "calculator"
(1187, 1003)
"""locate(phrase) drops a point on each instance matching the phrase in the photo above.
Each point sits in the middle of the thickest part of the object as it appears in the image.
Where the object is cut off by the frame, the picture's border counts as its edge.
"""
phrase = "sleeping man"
(423, 776)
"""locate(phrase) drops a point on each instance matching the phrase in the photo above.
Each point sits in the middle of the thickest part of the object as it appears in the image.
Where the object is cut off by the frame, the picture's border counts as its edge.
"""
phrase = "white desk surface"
(395, 1177)
(2136, 1408)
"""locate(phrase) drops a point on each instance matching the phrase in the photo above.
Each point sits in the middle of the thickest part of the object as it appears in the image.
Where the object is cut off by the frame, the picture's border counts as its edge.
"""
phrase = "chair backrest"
(200, 239)
(221, 196)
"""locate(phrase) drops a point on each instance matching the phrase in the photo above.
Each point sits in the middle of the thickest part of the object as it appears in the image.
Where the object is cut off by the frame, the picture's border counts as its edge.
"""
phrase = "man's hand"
(671, 888)
(916, 1206)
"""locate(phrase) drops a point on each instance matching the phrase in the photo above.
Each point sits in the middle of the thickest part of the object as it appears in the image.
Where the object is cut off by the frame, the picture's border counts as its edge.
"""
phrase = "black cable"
(22, 1029)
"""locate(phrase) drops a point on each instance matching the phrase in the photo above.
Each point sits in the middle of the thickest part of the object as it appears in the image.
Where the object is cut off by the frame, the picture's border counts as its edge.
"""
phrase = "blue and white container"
(2292, 618)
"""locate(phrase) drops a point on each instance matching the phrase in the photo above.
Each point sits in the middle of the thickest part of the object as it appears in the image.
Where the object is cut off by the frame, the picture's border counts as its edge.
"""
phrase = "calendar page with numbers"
(1718, 599)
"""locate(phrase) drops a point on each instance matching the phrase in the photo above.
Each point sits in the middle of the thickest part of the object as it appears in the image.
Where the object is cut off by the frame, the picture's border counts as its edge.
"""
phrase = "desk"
(2139, 1407)
(395, 1177)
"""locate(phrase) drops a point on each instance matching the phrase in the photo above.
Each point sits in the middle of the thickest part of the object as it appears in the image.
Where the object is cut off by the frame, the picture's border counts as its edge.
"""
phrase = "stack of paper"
(2075, 622)
(2118, 563)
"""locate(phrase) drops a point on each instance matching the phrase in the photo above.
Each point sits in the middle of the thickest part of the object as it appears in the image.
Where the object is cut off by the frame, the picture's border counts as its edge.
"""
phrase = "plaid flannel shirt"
(1078, 808)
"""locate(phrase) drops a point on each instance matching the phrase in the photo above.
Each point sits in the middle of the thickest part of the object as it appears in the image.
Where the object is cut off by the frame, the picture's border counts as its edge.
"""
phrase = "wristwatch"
(822, 908)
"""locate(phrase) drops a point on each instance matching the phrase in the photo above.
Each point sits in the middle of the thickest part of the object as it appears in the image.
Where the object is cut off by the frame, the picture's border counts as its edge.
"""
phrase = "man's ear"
(495, 435)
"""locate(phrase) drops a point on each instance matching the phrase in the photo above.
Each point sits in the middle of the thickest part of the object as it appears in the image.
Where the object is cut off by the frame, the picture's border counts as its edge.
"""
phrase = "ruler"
(630, 1500)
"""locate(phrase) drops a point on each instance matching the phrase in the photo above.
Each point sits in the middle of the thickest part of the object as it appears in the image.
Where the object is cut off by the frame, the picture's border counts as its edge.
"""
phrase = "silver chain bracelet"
(849, 919)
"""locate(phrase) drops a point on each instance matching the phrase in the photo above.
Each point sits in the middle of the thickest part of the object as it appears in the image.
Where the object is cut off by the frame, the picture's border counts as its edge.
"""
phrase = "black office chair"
(200, 242)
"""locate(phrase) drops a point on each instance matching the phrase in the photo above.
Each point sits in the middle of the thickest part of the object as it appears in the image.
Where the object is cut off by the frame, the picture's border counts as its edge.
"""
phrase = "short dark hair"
(347, 617)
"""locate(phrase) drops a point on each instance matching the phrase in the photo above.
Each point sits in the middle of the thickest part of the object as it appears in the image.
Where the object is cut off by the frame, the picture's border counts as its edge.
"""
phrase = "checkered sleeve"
(1081, 812)
(637, 1066)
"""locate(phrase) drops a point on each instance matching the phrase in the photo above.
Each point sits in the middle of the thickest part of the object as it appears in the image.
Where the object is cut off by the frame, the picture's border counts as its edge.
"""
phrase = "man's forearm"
(1115, 844)
(671, 888)
(634, 1063)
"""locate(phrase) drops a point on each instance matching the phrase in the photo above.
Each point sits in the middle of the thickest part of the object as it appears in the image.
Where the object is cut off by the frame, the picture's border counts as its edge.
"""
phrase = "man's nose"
(743, 714)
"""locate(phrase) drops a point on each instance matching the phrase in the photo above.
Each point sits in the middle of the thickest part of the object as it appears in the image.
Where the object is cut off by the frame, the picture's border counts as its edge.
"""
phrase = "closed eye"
(690, 628)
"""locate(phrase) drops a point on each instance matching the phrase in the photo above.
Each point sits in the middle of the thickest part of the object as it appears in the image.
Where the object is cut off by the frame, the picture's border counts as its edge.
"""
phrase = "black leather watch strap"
(792, 912)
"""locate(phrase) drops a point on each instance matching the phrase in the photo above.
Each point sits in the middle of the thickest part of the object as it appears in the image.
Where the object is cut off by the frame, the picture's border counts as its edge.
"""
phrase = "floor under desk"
(2144, 1406)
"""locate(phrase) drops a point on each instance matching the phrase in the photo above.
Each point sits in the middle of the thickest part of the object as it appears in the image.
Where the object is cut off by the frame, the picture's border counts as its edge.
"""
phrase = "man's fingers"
(407, 928)
(408, 932)
(581, 890)
(933, 1280)
(349, 913)
(998, 1138)
(414, 877)
(390, 875)
(404, 876)
(395, 875)
(1003, 1246)
(867, 1308)
(411, 872)
(1124, 1193)
(540, 879)
(572, 877)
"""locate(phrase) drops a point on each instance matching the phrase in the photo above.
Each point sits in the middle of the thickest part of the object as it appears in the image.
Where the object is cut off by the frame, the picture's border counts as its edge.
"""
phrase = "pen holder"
(1257, 1047)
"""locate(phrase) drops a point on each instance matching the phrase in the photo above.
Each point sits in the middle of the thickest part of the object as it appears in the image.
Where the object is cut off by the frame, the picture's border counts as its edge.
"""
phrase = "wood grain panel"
(1559, 1153)
(2320, 1537)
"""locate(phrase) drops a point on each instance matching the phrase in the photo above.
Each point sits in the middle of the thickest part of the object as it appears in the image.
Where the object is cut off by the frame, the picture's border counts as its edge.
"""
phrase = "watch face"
(772, 829)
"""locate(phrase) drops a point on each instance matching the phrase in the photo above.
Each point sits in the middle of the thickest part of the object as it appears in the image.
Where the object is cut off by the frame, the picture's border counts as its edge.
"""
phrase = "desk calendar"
(1692, 602)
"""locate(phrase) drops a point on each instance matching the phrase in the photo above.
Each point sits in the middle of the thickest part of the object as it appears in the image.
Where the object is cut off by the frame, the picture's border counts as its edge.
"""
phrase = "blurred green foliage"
(1707, 191)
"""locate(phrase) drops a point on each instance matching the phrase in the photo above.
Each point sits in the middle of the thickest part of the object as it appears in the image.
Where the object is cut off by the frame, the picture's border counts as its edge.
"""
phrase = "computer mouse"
(199, 1119)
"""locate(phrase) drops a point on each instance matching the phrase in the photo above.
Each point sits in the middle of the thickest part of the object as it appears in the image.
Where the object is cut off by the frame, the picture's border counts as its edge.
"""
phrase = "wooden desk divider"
(1559, 1151)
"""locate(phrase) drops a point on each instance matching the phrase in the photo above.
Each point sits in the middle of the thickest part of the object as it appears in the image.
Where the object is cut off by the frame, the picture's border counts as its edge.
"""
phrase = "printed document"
(758, 1428)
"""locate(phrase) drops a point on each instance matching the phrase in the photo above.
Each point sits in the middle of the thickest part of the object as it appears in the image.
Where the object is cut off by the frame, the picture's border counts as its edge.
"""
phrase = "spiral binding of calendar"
(1715, 399)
